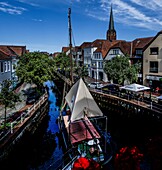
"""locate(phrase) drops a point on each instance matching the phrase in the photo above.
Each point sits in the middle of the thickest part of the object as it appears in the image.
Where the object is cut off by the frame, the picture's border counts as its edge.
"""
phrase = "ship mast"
(70, 45)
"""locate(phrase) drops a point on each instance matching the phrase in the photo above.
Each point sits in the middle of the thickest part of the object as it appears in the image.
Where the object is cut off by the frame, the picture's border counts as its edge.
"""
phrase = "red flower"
(83, 163)
(128, 158)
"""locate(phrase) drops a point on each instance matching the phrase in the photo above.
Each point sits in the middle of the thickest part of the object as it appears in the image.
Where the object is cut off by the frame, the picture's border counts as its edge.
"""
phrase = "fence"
(24, 116)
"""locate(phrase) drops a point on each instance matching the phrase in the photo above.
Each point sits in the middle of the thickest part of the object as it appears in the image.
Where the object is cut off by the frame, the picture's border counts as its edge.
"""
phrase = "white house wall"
(110, 54)
(88, 55)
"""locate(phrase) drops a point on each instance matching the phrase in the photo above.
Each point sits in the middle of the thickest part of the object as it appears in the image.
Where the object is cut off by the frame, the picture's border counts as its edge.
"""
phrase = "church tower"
(111, 33)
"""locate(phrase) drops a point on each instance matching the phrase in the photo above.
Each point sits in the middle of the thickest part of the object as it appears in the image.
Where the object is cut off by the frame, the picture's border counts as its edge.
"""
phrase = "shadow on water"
(40, 150)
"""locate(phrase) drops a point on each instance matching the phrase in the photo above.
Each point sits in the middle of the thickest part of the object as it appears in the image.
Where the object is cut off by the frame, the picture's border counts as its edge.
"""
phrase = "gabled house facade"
(87, 55)
(76, 54)
(96, 70)
(152, 62)
(136, 54)
(5, 67)
(118, 47)
(9, 58)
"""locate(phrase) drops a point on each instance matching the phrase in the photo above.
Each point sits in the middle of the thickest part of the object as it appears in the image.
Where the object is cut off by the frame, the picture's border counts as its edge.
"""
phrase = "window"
(153, 66)
(138, 52)
(115, 51)
(154, 50)
(5, 66)
(9, 68)
(2, 67)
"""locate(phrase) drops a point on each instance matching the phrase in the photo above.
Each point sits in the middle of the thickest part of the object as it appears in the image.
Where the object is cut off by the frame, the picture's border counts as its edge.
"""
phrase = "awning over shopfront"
(159, 97)
(135, 87)
(151, 77)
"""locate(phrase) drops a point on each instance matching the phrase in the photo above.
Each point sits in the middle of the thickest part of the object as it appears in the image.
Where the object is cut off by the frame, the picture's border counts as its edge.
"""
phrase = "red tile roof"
(6, 50)
(65, 49)
(85, 45)
(153, 38)
(19, 50)
(4, 56)
(124, 46)
(56, 54)
(104, 46)
(13, 50)
(97, 43)
(140, 43)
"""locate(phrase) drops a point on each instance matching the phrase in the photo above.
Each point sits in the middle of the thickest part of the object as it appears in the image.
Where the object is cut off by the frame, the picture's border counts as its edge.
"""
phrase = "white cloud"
(30, 2)
(151, 4)
(5, 7)
(37, 20)
(131, 12)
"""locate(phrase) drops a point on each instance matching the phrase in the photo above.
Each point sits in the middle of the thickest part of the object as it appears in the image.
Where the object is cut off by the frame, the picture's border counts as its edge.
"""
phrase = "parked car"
(95, 85)
(111, 87)
(32, 98)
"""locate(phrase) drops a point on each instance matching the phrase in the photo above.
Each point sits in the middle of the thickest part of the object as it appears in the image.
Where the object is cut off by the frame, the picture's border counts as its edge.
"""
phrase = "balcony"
(153, 70)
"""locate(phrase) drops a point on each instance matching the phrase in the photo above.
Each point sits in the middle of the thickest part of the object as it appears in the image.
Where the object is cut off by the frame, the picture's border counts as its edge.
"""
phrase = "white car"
(95, 85)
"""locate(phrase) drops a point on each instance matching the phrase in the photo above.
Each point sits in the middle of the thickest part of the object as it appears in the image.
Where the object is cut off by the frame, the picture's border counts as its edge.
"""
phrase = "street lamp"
(150, 84)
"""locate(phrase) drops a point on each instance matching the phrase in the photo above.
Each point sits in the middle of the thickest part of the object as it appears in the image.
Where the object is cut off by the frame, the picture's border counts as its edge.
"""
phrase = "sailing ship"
(82, 126)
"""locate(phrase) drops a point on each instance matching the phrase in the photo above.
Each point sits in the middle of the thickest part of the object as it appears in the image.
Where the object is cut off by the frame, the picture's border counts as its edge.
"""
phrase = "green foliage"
(81, 71)
(35, 67)
(119, 69)
(7, 97)
(62, 61)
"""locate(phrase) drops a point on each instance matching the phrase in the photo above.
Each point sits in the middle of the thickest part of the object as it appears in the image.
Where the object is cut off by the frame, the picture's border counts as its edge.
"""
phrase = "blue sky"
(42, 25)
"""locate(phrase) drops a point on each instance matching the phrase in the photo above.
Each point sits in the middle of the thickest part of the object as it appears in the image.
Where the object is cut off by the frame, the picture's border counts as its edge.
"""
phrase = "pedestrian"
(157, 89)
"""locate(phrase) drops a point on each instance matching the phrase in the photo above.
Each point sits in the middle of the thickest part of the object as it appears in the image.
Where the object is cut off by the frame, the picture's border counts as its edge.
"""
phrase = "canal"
(43, 150)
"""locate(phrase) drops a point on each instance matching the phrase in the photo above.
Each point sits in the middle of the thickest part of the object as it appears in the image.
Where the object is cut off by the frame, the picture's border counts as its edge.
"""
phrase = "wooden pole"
(70, 45)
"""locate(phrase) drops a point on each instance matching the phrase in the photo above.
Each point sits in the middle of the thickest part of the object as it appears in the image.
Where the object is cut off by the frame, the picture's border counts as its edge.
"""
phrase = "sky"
(42, 25)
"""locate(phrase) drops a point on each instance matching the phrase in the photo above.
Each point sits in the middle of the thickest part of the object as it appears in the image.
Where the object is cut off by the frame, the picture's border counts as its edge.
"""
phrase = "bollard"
(11, 127)
(21, 118)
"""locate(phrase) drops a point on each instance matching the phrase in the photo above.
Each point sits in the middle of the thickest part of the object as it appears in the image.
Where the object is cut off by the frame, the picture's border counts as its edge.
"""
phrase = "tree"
(35, 67)
(119, 69)
(8, 98)
(81, 71)
(62, 61)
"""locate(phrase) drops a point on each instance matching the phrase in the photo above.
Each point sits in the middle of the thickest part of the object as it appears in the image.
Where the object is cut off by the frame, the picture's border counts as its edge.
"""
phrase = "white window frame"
(5, 66)
(9, 66)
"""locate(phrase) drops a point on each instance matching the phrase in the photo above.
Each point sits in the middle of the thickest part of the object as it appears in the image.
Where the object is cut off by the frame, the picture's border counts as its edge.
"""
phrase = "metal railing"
(23, 117)
(150, 103)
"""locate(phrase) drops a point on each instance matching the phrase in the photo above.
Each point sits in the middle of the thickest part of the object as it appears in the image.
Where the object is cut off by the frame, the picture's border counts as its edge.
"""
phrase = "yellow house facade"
(152, 62)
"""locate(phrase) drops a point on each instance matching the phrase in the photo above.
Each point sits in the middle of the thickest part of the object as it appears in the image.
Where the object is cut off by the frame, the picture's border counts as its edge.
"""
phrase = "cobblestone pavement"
(18, 105)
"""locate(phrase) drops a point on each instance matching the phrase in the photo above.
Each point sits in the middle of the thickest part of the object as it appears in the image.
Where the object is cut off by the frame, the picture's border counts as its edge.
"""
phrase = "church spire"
(111, 33)
(111, 21)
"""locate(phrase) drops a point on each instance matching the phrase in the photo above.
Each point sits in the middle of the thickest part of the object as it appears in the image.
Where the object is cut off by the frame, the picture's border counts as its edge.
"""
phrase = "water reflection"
(40, 150)
(54, 161)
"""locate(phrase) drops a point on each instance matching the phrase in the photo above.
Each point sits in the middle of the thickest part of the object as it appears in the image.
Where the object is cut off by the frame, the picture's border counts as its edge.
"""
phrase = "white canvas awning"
(159, 97)
(79, 98)
(135, 87)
